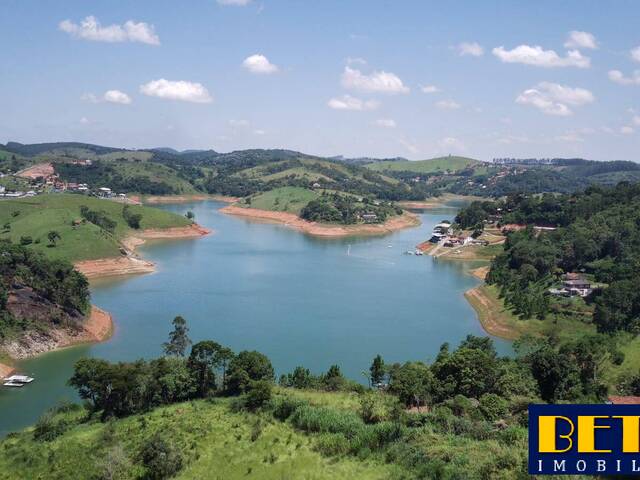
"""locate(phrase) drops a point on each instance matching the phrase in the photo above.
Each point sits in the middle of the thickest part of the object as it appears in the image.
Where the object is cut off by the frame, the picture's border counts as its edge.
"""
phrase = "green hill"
(440, 164)
(29, 220)
(210, 439)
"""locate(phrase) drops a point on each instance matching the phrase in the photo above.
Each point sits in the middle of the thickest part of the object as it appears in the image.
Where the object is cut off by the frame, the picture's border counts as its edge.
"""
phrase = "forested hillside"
(38, 293)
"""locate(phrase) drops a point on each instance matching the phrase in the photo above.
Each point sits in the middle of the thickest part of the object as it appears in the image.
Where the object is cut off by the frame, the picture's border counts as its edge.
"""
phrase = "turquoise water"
(299, 299)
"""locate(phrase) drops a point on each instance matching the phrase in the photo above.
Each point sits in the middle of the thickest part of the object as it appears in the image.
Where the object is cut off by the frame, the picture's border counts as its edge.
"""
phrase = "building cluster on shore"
(43, 179)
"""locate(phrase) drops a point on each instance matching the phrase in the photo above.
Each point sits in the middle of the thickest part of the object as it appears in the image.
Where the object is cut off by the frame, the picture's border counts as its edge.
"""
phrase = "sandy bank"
(480, 273)
(166, 199)
(437, 202)
(324, 230)
(97, 328)
(492, 315)
(6, 370)
(130, 264)
(106, 267)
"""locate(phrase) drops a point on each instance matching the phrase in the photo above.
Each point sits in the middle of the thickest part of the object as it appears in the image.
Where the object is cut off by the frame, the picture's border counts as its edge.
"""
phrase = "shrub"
(324, 420)
(376, 406)
(26, 240)
(493, 406)
(259, 393)
(283, 408)
(48, 428)
(161, 458)
(332, 444)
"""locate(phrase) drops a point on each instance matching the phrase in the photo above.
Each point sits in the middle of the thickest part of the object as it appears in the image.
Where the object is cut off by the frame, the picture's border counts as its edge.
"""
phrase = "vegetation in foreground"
(215, 413)
(76, 227)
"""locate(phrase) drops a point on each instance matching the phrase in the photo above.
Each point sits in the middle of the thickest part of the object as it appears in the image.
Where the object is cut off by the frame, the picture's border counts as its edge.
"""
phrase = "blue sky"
(359, 78)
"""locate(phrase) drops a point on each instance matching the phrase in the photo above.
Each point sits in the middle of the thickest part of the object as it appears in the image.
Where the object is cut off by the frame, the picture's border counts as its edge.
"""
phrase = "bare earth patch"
(324, 230)
(39, 170)
(166, 199)
(5, 370)
(97, 328)
(130, 264)
(491, 314)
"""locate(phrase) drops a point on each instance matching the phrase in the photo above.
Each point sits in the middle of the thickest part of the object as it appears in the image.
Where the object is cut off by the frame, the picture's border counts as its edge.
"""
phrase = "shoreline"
(130, 264)
(99, 327)
(436, 202)
(196, 197)
(291, 220)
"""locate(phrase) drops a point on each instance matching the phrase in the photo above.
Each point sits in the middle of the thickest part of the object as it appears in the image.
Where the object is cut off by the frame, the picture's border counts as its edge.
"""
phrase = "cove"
(300, 300)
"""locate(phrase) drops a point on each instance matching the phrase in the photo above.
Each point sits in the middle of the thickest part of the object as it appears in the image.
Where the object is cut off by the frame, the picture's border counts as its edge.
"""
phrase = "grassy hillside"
(35, 217)
(215, 443)
(284, 199)
(441, 164)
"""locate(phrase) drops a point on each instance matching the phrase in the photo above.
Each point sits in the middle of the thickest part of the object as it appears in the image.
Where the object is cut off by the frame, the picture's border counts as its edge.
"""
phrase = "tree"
(190, 215)
(53, 236)
(377, 370)
(202, 362)
(223, 356)
(178, 338)
(259, 393)
(412, 383)
(246, 367)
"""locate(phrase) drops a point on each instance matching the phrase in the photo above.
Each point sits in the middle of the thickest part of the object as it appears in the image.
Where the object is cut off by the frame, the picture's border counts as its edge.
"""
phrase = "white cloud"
(410, 146)
(536, 56)
(177, 90)
(578, 39)
(347, 102)
(636, 120)
(90, 29)
(116, 96)
(259, 132)
(553, 99)
(378, 82)
(355, 61)
(473, 49)
(430, 89)
(635, 53)
(110, 96)
(239, 123)
(570, 137)
(451, 143)
(234, 3)
(259, 64)
(84, 121)
(618, 77)
(626, 130)
(89, 97)
(385, 123)
(448, 105)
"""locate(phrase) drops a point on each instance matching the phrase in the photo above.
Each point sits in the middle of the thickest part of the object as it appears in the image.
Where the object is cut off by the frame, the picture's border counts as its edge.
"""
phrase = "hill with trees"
(208, 409)
(77, 227)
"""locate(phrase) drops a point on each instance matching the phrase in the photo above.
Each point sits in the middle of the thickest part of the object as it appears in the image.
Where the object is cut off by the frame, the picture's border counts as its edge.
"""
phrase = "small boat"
(13, 384)
(22, 379)
(409, 252)
(419, 252)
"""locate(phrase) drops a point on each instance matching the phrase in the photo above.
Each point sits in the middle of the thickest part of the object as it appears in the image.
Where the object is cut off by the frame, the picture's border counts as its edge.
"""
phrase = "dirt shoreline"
(130, 264)
(6, 370)
(435, 202)
(97, 328)
(321, 230)
(168, 199)
(489, 315)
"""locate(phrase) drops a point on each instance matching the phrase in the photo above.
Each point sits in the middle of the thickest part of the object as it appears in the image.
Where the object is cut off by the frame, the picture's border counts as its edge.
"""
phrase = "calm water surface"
(298, 299)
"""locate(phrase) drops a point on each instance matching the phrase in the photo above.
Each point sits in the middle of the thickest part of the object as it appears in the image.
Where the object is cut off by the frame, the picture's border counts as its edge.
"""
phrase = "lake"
(300, 300)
